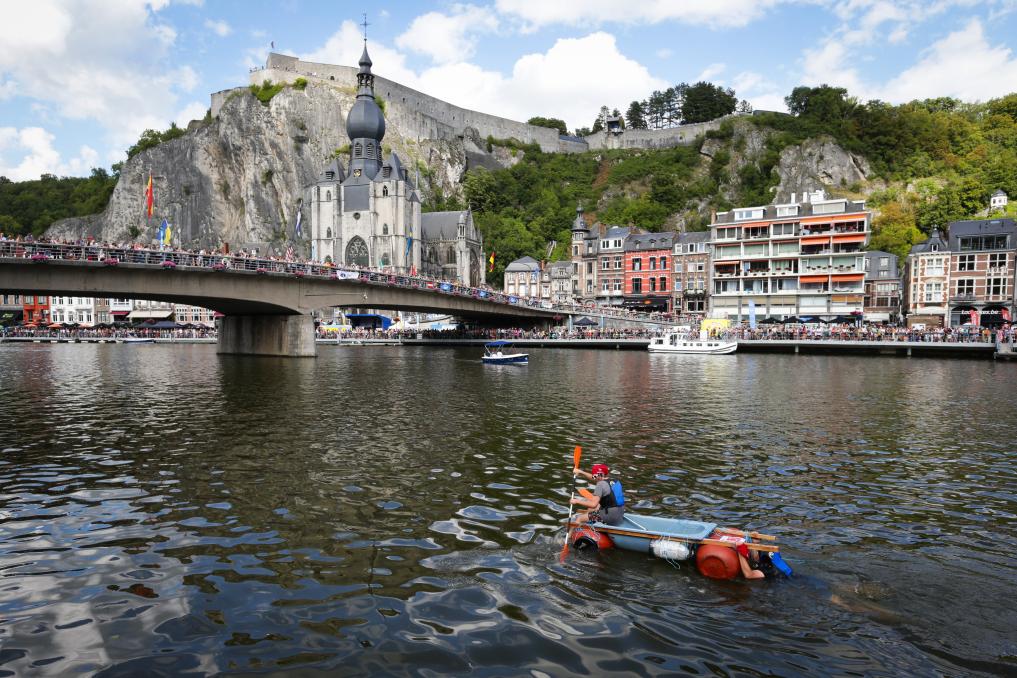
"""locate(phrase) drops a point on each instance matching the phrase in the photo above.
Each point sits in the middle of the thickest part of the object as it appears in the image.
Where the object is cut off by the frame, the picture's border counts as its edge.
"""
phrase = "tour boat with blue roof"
(497, 353)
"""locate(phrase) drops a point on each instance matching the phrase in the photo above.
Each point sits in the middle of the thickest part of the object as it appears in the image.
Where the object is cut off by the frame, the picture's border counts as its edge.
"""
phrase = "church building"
(370, 215)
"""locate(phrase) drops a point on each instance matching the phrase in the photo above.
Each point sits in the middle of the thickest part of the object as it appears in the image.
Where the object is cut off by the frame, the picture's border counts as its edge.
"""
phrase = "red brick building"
(35, 309)
(647, 262)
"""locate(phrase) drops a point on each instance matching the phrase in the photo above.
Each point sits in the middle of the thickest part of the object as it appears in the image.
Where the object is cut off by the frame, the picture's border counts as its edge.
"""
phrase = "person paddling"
(607, 505)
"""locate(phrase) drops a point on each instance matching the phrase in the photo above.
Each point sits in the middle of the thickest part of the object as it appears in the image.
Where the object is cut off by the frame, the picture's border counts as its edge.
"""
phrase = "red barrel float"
(717, 562)
(588, 539)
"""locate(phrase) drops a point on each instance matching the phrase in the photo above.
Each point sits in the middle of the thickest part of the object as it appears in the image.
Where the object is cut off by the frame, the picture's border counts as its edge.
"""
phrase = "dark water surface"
(387, 510)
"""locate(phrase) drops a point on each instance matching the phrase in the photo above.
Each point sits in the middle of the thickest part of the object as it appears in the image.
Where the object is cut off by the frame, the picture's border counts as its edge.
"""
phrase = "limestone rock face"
(239, 179)
(819, 163)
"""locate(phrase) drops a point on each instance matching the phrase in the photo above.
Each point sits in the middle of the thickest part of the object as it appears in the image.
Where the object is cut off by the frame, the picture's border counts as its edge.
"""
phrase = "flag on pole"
(490, 263)
(149, 196)
(409, 246)
(299, 232)
(161, 233)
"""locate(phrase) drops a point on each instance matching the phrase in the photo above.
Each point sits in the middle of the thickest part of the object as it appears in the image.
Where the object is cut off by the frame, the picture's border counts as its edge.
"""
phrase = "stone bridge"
(267, 304)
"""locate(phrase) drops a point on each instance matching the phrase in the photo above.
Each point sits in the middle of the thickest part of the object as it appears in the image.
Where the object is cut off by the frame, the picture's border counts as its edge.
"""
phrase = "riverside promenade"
(941, 349)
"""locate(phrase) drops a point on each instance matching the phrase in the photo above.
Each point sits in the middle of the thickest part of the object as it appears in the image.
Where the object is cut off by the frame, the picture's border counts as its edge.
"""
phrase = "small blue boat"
(674, 539)
(496, 353)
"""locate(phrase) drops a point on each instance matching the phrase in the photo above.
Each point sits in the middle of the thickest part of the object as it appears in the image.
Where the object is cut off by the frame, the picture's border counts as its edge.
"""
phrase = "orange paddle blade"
(586, 493)
(576, 455)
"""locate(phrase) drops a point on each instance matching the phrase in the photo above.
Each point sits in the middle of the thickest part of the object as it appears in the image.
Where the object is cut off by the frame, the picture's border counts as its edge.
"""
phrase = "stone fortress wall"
(423, 116)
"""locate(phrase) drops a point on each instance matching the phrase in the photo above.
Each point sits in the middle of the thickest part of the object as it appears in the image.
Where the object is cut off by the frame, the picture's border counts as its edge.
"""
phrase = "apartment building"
(800, 259)
(611, 266)
(982, 254)
(522, 278)
(35, 309)
(882, 287)
(585, 243)
(647, 271)
(73, 311)
(690, 263)
(926, 282)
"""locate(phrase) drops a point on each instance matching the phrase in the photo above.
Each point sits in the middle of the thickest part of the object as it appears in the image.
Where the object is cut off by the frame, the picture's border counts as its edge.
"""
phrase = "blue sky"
(80, 79)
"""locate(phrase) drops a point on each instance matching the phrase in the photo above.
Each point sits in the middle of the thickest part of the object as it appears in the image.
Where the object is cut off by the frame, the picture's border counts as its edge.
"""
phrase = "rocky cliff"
(239, 178)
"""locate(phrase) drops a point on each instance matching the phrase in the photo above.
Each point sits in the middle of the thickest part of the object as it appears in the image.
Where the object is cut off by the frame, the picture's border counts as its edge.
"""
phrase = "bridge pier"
(269, 335)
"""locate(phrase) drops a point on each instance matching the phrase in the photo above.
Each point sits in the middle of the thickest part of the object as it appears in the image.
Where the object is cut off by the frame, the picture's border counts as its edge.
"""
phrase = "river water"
(395, 511)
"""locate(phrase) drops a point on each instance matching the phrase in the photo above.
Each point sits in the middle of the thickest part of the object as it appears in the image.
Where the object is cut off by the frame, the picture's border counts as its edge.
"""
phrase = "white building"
(67, 310)
(998, 200)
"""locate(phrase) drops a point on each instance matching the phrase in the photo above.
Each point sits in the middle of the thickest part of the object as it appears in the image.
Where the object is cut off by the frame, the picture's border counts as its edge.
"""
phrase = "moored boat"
(714, 548)
(497, 353)
(683, 341)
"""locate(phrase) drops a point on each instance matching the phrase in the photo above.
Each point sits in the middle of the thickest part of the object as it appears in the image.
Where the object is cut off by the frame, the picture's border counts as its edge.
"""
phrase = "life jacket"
(615, 498)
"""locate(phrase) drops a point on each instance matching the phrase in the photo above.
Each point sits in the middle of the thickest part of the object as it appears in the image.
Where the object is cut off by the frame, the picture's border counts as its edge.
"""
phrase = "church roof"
(441, 225)
(336, 170)
(393, 169)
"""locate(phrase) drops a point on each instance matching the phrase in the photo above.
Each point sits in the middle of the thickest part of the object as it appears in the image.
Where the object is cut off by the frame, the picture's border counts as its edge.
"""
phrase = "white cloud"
(220, 28)
(570, 81)
(346, 45)
(711, 72)
(710, 13)
(95, 60)
(448, 38)
(193, 111)
(962, 65)
(34, 145)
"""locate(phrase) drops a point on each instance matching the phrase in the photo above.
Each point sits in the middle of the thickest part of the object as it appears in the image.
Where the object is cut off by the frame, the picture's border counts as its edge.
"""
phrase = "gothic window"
(328, 233)
(358, 150)
(451, 256)
(328, 196)
(357, 253)
(384, 190)
(384, 229)
(432, 256)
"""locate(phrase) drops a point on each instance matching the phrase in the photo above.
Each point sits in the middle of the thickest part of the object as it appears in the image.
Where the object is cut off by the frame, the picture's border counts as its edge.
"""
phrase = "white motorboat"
(495, 353)
(686, 342)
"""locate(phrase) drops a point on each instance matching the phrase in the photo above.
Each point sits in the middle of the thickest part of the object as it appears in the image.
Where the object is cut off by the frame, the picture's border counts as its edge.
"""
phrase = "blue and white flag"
(409, 246)
(161, 234)
(299, 233)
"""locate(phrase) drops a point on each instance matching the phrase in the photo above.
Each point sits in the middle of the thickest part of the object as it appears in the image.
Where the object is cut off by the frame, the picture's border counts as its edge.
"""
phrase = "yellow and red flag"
(490, 263)
(149, 197)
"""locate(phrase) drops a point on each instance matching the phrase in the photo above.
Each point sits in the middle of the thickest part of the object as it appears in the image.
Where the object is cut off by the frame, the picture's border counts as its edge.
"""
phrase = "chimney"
(793, 196)
(713, 216)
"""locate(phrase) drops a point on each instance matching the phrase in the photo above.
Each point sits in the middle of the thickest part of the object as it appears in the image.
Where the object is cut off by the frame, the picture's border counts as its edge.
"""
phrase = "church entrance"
(474, 270)
(357, 253)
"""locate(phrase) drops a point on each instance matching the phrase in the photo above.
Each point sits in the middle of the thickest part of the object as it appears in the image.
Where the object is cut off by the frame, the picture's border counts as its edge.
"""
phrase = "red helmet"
(600, 469)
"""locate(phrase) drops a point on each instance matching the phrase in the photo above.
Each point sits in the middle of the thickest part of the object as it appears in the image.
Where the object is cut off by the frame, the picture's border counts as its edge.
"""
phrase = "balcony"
(963, 297)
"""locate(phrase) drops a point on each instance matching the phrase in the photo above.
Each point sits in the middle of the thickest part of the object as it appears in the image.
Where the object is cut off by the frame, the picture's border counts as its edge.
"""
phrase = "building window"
(787, 211)
(358, 150)
(997, 259)
(996, 286)
(933, 292)
(589, 268)
(653, 263)
(934, 266)
(575, 250)
(966, 287)
(966, 262)
(617, 285)
(637, 286)
(677, 267)
(653, 284)
(663, 263)
(753, 213)
(606, 286)
(884, 262)
(663, 283)
(384, 191)
(384, 229)
(637, 264)
(617, 263)
(606, 264)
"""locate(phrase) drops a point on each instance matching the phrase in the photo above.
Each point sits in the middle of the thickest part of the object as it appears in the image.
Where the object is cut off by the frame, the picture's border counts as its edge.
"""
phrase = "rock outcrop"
(819, 163)
(239, 178)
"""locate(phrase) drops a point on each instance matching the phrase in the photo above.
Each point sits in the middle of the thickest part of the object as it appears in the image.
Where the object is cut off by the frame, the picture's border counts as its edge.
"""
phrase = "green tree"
(635, 115)
(895, 229)
(553, 123)
(705, 101)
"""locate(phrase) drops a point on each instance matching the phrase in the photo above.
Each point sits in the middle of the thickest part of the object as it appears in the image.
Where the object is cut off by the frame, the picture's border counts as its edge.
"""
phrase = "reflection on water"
(386, 510)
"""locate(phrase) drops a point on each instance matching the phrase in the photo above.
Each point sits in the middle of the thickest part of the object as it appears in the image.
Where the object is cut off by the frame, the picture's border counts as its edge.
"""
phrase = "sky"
(81, 79)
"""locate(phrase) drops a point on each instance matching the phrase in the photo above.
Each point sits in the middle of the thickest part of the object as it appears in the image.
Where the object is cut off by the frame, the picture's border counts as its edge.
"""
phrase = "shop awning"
(815, 239)
(145, 315)
(848, 237)
(813, 278)
(120, 313)
(848, 277)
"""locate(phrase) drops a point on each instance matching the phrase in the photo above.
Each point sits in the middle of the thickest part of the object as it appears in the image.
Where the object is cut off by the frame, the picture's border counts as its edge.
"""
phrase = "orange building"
(35, 309)
(648, 271)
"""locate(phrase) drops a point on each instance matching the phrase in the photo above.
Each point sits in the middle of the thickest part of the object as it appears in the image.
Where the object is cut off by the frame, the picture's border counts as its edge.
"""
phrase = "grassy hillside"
(933, 162)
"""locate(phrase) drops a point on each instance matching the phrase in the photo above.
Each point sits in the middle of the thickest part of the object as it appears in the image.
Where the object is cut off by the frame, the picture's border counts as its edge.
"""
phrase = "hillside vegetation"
(932, 161)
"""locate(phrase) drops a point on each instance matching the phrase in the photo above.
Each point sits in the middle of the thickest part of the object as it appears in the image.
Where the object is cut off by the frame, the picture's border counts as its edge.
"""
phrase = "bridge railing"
(171, 259)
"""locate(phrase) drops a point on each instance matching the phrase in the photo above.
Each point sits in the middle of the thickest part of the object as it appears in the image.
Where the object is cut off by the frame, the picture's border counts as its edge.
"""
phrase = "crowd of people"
(223, 259)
